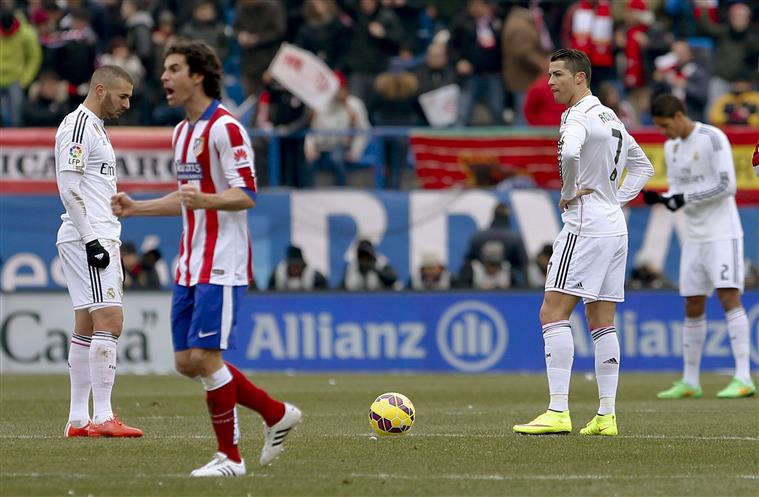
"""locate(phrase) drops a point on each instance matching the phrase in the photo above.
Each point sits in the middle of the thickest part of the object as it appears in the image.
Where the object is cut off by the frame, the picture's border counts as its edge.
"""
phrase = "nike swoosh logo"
(206, 334)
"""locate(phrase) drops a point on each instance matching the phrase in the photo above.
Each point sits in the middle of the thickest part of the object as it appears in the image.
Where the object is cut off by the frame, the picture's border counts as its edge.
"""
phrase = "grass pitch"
(461, 444)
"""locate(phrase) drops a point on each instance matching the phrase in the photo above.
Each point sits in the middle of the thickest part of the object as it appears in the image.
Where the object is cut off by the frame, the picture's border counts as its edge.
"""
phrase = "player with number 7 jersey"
(590, 253)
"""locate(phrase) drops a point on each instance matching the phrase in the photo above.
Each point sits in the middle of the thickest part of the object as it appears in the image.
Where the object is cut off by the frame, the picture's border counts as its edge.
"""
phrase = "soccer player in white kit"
(590, 253)
(88, 245)
(701, 180)
(216, 187)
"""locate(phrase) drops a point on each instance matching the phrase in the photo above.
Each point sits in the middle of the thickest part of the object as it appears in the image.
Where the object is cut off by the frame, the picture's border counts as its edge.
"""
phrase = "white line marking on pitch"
(547, 477)
(423, 435)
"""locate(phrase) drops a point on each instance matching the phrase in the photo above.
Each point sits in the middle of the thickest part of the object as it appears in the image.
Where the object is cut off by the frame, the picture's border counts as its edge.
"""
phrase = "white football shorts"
(591, 268)
(92, 288)
(705, 266)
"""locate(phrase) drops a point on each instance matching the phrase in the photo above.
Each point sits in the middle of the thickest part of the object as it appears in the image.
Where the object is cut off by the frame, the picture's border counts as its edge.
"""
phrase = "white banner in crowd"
(441, 106)
(305, 75)
(35, 330)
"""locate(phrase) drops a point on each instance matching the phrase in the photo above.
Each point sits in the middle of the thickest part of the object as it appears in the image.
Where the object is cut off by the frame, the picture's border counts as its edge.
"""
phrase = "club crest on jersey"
(198, 145)
(189, 171)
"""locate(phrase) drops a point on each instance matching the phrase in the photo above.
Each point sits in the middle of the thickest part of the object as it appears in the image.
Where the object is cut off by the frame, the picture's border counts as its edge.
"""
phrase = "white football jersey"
(82, 145)
(214, 154)
(701, 167)
(594, 149)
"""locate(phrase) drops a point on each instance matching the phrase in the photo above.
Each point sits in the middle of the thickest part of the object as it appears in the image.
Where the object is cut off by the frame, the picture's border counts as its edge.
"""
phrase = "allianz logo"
(471, 336)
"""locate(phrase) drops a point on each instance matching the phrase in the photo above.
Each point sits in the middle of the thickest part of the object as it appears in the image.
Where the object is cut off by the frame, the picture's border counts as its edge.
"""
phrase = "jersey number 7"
(618, 135)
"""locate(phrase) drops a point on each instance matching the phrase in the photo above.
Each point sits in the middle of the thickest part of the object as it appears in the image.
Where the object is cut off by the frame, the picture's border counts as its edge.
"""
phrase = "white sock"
(216, 380)
(102, 374)
(607, 367)
(560, 351)
(79, 377)
(694, 334)
(737, 327)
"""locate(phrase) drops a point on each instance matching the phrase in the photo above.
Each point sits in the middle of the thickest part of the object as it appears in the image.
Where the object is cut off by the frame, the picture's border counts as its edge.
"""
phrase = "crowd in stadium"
(387, 53)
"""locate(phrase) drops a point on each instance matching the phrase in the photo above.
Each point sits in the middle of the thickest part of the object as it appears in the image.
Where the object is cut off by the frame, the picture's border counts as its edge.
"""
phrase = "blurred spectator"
(206, 26)
(48, 101)
(490, 272)
(632, 39)
(526, 45)
(139, 31)
(502, 234)
(330, 151)
(680, 74)
(646, 276)
(369, 270)
(99, 20)
(538, 268)
(740, 106)
(431, 275)
(293, 274)
(118, 54)
(140, 272)
(475, 45)
(408, 13)
(375, 37)
(684, 14)
(19, 63)
(540, 108)
(736, 48)
(395, 104)
(752, 274)
(282, 111)
(588, 26)
(322, 33)
(162, 113)
(436, 71)
(608, 94)
(72, 53)
(259, 27)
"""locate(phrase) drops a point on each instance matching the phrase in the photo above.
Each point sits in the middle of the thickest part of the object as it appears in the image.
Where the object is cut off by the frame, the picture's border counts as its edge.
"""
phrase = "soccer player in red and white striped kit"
(216, 187)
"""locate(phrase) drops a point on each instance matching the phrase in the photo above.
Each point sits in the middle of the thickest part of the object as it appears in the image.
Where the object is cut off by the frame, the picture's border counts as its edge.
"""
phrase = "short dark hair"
(666, 105)
(576, 61)
(108, 73)
(201, 59)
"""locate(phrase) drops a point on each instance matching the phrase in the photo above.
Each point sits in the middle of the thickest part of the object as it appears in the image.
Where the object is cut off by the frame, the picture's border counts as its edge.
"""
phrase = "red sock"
(221, 404)
(252, 397)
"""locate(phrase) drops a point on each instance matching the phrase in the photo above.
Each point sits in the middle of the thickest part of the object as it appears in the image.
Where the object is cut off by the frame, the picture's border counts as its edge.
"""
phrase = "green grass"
(462, 443)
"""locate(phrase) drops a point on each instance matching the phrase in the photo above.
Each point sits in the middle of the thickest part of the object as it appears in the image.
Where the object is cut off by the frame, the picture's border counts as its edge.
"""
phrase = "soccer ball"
(391, 414)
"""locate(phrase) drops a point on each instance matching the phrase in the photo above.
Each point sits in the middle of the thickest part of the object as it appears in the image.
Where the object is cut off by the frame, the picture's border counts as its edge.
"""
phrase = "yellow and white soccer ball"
(392, 414)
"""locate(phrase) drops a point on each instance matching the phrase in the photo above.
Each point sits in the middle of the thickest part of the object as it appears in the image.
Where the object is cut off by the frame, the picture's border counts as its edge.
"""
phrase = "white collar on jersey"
(89, 112)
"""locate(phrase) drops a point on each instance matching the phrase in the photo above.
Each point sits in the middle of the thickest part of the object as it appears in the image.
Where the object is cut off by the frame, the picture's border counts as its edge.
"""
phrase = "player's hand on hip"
(564, 203)
(191, 198)
(122, 205)
(97, 256)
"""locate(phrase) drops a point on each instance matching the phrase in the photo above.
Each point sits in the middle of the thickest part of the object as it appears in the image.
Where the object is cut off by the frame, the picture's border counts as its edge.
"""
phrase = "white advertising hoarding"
(35, 329)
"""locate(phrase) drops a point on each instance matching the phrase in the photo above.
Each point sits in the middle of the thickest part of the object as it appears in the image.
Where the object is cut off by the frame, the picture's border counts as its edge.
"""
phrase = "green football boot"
(550, 422)
(737, 389)
(601, 425)
(681, 390)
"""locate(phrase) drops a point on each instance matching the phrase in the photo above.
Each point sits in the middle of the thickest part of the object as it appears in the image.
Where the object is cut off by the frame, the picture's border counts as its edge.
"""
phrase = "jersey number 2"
(618, 135)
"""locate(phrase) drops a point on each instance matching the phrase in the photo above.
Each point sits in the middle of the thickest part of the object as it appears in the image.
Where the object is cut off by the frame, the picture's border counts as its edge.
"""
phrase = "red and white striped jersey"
(214, 154)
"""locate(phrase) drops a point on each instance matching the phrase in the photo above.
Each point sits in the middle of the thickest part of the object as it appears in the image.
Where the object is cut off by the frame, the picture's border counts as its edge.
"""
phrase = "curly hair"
(201, 59)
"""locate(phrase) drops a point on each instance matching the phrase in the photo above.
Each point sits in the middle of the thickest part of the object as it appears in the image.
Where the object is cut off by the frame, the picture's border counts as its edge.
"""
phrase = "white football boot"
(274, 437)
(221, 465)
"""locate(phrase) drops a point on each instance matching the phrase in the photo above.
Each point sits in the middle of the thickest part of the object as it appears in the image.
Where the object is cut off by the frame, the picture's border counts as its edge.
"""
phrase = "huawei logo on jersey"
(240, 155)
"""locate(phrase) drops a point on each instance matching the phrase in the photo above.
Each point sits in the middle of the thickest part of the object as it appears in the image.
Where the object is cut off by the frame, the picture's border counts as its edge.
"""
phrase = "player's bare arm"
(234, 199)
(123, 205)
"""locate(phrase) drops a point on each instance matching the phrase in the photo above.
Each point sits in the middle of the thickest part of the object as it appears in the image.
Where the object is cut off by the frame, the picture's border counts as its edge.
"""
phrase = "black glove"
(651, 198)
(674, 202)
(97, 256)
